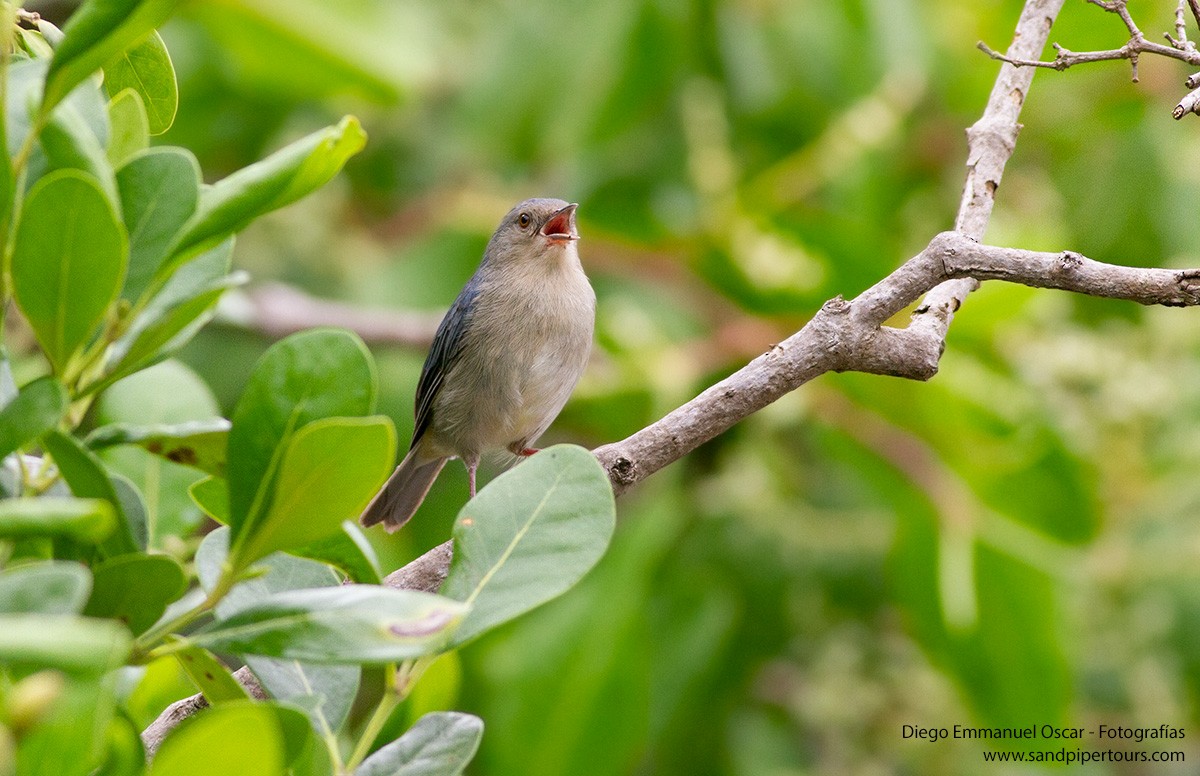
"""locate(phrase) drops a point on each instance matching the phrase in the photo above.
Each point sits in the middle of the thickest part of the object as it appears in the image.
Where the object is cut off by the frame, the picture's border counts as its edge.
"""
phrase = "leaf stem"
(147, 646)
(398, 683)
(387, 704)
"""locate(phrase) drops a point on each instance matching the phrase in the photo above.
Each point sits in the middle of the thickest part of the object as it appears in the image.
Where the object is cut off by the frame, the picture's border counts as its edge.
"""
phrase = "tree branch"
(1181, 48)
(152, 736)
(276, 310)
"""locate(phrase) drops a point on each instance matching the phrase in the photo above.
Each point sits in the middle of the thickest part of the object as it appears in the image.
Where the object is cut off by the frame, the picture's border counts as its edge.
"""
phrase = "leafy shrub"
(116, 255)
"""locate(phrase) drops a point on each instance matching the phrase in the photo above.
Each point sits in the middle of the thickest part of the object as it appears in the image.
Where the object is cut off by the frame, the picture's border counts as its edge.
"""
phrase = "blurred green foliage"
(1012, 543)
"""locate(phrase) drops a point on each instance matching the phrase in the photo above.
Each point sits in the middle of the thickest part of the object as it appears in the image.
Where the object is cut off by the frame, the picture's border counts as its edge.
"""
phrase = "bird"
(505, 358)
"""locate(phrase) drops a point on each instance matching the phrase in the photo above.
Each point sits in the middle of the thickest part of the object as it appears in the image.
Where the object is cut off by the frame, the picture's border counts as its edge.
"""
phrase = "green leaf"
(167, 394)
(276, 573)
(146, 68)
(36, 409)
(77, 136)
(159, 191)
(306, 377)
(197, 443)
(330, 471)
(528, 536)
(173, 316)
(348, 624)
(96, 33)
(70, 738)
(125, 754)
(66, 642)
(325, 692)
(68, 261)
(50, 32)
(211, 494)
(8, 384)
(87, 478)
(135, 589)
(233, 739)
(129, 133)
(34, 43)
(49, 587)
(22, 94)
(349, 551)
(82, 519)
(287, 175)
(438, 744)
(210, 676)
(7, 182)
(133, 506)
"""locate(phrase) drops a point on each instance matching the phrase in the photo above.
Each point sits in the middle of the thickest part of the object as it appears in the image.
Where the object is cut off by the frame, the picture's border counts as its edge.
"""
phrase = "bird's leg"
(472, 464)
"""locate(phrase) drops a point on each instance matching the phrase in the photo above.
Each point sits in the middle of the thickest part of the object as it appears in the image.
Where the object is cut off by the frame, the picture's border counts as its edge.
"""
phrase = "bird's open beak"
(560, 227)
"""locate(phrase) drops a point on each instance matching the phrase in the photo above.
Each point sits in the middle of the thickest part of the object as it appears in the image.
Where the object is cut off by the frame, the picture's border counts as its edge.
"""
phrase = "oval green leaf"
(529, 536)
(349, 551)
(96, 32)
(81, 519)
(211, 494)
(159, 191)
(68, 739)
(173, 316)
(234, 739)
(135, 589)
(330, 471)
(197, 443)
(276, 573)
(324, 692)
(77, 136)
(129, 133)
(210, 676)
(125, 755)
(347, 624)
(87, 478)
(285, 176)
(66, 642)
(50, 587)
(305, 377)
(147, 69)
(438, 744)
(68, 261)
(23, 82)
(36, 409)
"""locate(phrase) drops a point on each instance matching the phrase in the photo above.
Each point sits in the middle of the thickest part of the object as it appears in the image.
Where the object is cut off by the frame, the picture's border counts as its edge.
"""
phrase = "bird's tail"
(404, 491)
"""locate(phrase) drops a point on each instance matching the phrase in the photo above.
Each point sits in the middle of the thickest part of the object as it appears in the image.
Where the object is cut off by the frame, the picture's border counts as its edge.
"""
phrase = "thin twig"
(1181, 48)
(1189, 104)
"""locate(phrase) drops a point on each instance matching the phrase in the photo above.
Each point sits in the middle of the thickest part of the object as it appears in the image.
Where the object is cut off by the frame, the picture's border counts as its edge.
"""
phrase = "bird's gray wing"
(447, 343)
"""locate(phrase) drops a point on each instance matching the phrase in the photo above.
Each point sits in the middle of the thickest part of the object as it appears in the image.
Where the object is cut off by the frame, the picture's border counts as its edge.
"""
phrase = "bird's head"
(536, 229)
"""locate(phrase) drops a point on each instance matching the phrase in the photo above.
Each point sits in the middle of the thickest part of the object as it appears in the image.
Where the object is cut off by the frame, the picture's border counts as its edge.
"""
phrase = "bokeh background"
(1014, 542)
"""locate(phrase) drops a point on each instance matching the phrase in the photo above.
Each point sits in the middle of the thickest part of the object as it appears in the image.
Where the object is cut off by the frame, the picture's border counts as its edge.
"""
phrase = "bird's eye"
(524, 220)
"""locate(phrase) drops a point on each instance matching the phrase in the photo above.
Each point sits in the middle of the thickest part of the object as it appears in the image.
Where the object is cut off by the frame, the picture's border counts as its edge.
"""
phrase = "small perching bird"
(505, 358)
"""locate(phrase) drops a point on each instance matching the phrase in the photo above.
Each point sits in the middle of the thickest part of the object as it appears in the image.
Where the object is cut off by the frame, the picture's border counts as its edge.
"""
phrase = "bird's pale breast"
(525, 350)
